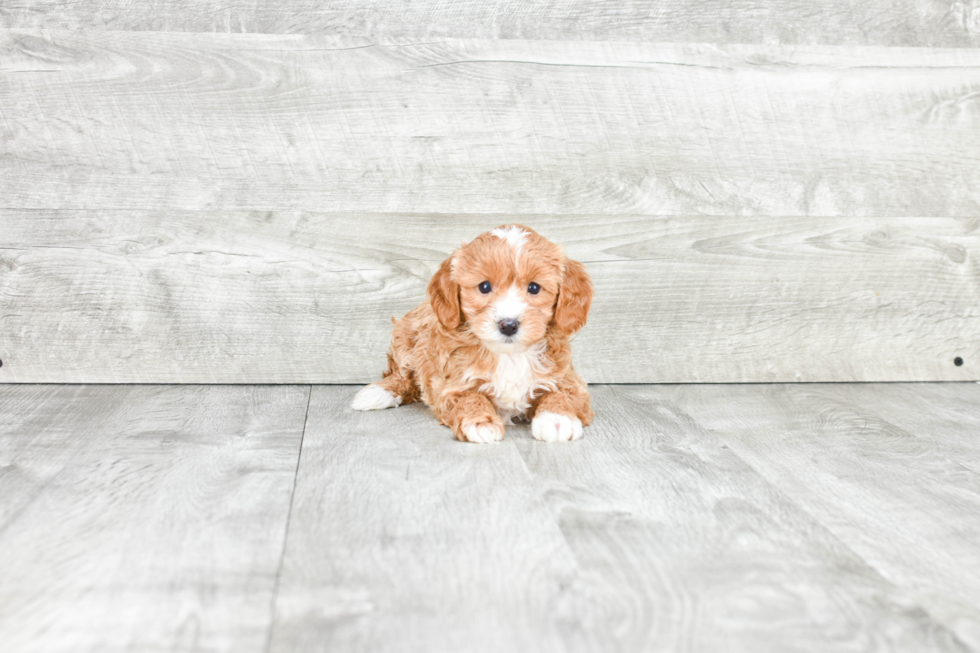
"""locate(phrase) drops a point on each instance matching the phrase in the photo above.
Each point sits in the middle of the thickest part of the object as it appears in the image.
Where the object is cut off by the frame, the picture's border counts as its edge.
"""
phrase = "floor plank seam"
(285, 536)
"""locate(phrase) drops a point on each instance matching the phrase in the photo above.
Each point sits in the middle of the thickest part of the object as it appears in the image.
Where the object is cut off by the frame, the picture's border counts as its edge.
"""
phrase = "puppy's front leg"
(472, 417)
(559, 416)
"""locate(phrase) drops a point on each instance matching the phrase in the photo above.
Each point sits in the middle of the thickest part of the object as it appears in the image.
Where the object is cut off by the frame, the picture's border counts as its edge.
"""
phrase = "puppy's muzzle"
(508, 327)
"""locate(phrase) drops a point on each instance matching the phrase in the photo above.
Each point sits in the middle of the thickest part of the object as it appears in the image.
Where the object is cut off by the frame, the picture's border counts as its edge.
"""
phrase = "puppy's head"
(510, 285)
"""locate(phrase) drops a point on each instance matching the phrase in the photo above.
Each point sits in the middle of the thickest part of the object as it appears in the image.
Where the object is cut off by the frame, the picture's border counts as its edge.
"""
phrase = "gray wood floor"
(690, 518)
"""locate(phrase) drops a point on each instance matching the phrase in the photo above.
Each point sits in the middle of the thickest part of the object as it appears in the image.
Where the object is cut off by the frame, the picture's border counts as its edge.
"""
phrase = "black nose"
(508, 327)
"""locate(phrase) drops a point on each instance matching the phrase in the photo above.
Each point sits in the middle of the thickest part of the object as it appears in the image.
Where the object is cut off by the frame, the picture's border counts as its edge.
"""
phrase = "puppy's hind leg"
(396, 388)
(375, 397)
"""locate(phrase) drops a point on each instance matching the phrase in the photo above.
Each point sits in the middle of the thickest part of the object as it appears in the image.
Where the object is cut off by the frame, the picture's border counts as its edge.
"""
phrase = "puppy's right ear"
(444, 296)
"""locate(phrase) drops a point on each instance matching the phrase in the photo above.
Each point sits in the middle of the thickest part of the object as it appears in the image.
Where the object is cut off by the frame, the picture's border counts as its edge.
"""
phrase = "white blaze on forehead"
(515, 237)
(511, 306)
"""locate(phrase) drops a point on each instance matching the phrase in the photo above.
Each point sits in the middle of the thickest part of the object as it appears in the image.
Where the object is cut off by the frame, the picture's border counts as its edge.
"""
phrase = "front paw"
(482, 432)
(552, 427)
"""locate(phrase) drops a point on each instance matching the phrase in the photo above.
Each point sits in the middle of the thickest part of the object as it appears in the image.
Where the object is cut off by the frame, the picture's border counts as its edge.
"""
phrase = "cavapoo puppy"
(491, 343)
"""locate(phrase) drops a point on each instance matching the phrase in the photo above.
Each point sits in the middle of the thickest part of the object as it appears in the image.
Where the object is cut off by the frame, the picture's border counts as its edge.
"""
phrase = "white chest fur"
(517, 379)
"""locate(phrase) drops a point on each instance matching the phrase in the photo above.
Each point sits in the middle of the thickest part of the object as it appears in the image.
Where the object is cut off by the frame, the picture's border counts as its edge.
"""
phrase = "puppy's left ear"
(574, 298)
(444, 296)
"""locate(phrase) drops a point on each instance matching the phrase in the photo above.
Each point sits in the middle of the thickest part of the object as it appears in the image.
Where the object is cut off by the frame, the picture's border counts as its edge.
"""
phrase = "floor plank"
(296, 297)
(143, 518)
(946, 416)
(881, 469)
(690, 518)
(652, 532)
(873, 22)
(162, 120)
(401, 540)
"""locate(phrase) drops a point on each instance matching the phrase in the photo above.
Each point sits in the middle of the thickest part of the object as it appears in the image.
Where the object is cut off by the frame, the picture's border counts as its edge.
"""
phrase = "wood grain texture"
(907, 500)
(874, 22)
(287, 297)
(946, 417)
(401, 541)
(143, 518)
(648, 534)
(125, 120)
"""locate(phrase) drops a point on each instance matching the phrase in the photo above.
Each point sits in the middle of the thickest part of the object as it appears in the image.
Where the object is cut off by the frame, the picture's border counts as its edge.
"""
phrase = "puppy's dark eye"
(533, 288)
(485, 287)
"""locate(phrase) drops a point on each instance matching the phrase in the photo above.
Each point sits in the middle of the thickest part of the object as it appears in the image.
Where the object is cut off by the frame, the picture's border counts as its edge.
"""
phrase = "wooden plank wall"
(777, 191)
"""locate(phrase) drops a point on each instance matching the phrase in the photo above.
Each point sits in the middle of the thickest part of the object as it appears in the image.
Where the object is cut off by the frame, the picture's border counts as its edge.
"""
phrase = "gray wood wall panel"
(873, 22)
(218, 297)
(651, 533)
(143, 518)
(125, 120)
(196, 207)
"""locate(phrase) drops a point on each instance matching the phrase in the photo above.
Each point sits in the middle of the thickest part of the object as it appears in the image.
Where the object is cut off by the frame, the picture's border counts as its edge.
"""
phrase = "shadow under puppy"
(491, 344)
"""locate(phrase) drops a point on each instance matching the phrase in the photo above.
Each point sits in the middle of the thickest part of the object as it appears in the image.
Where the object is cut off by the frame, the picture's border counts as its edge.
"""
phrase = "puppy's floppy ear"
(574, 298)
(444, 296)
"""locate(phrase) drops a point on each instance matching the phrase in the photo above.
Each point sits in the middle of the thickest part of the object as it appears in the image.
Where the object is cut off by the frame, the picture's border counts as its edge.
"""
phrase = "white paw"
(552, 427)
(374, 397)
(483, 433)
